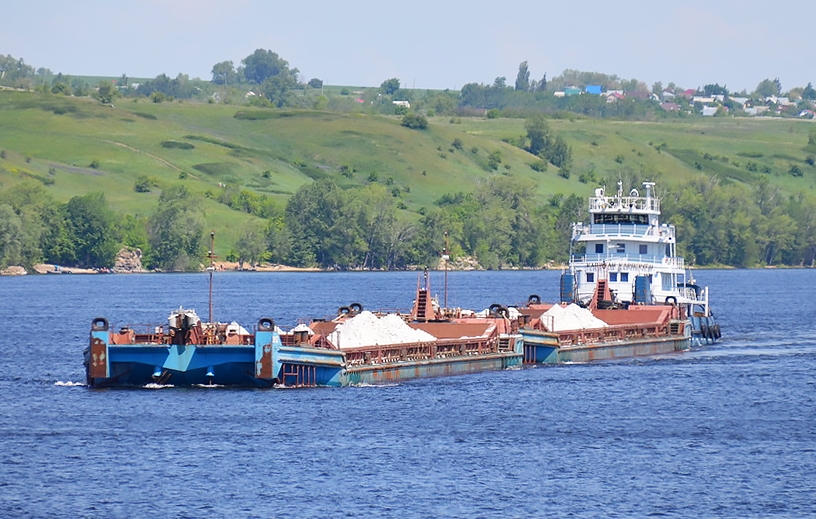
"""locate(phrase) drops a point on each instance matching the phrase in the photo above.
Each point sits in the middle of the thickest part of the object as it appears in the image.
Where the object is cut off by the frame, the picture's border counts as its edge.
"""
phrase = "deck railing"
(634, 202)
(600, 259)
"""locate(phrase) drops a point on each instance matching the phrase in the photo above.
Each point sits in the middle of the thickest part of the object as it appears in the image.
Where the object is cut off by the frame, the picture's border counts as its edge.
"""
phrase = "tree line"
(500, 225)
(274, 83)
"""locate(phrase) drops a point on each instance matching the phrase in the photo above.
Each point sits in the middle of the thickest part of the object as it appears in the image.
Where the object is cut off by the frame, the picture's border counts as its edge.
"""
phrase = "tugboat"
(624, 256)
(626, 293)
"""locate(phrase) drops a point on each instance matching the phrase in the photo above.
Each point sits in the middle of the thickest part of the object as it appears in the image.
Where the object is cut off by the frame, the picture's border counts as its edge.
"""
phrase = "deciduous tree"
(176, 231)
(93, 230)
(523, 78)
(264, 64)
(391, 86)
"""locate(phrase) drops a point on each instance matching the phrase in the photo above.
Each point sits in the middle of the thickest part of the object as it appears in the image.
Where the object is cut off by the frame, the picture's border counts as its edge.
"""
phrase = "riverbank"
(225, 266)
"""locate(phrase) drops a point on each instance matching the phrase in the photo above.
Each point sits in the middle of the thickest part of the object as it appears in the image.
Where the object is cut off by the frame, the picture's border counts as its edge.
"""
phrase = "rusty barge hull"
(546, 348)
(377, 374)
(301, 367)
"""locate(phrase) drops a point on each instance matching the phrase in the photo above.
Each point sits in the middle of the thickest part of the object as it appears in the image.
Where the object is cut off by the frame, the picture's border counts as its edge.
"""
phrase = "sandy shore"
(265, 267)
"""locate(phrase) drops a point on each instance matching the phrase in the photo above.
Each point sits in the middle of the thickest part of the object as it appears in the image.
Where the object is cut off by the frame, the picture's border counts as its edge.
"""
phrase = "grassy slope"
(58, 138)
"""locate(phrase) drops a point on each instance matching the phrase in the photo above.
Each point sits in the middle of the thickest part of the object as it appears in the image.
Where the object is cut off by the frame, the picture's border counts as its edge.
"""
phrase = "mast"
(211, 269)
(445, 257)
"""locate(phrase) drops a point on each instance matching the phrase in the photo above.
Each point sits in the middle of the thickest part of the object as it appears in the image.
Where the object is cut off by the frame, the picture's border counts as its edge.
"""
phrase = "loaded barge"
(356, 347)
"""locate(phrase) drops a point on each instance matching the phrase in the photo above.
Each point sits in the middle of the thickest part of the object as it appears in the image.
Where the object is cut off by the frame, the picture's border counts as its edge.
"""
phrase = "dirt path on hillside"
(154, 157)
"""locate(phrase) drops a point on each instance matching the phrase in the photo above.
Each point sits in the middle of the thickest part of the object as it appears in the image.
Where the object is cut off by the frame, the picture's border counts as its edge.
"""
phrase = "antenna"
(445, 257)
(211, 269)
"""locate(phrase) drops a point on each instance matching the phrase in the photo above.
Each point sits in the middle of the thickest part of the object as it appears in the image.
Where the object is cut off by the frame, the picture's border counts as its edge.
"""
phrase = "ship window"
(599, 248)
(666, 281)
(621, 248)
(590, 277)
(644, 248)
(613, 276)
(624, 276)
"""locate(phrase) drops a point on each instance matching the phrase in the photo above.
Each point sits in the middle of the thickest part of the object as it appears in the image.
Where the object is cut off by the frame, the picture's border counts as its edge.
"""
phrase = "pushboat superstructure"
(625, 256)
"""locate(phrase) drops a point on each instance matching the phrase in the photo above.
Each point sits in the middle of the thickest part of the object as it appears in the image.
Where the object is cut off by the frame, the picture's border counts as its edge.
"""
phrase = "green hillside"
(77, 145)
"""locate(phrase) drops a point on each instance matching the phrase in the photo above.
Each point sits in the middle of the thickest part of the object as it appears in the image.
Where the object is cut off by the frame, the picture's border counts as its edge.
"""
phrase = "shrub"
(177, 145)
(494, 159)
(94, 164)
(414, 121)
(540, 166)
(143, 184)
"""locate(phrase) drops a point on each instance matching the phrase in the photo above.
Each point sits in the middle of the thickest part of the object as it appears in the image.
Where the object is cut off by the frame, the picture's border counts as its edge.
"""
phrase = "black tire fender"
(497, 309)
(266, 324)
(100, 324)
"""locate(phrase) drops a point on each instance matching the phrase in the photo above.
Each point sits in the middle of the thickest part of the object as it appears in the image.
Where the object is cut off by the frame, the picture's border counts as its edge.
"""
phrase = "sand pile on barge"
(571, 317)
(366, 329)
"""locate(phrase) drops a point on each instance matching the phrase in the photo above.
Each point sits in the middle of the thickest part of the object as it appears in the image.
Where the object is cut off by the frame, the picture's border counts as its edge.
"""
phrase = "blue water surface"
(723, 431)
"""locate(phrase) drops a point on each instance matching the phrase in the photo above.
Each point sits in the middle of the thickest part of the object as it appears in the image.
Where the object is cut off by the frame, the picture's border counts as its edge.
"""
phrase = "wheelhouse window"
(643, 248)
(624, 276)
(599, 248)
(613, 276)
(621, 248)
(590, 277)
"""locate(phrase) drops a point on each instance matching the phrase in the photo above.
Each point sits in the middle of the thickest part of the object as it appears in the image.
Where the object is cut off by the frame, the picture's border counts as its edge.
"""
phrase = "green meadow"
(75, 146)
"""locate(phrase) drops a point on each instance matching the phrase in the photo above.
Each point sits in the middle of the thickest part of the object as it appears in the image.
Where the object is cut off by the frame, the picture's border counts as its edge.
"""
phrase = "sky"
(434, 44)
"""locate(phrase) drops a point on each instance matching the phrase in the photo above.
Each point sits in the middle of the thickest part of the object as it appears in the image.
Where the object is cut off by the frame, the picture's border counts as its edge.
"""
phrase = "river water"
(723, 431)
